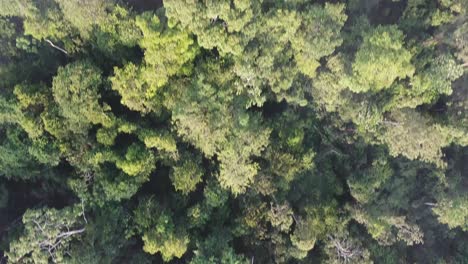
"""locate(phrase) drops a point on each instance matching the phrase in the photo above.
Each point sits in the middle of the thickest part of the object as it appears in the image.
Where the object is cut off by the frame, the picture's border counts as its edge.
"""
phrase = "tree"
(363, 184)
(315, 225)
(117, 34)
(76, 91)
(217, 125)
(15, 160)
(104, 240)
(216, 249)
(160, 234)
(8, 34)
(318, 36)
(168, 51)
(47, 234)
(380, 60)
(186, 175)
(453, 212)
(138, 161)
(412, 136)
(388, 229)
(343, 248)
(429, 84)
(83, 15)
(216, 24)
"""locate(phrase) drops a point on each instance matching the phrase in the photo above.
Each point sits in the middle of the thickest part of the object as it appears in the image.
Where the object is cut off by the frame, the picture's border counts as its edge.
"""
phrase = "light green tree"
(83, 15)
(186, 175)
(168, 51)
(160, 234)
(453, 212)
(76, 90)
(381, 60)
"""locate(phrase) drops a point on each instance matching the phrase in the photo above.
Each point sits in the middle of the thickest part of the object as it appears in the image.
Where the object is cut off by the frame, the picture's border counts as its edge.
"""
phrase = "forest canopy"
(236, 131)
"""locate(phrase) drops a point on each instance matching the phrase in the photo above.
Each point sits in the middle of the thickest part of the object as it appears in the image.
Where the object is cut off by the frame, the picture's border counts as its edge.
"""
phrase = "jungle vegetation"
(234, 131)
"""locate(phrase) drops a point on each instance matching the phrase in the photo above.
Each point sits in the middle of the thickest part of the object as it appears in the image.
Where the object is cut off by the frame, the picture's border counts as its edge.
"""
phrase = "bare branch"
(38, 225)
(344, 249)
(83, 212)
(393, 123)
(70, 233)
(56, 47)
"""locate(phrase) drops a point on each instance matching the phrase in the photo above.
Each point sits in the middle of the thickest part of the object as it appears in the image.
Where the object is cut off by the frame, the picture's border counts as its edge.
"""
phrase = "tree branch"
(56, 47)
(71, 233)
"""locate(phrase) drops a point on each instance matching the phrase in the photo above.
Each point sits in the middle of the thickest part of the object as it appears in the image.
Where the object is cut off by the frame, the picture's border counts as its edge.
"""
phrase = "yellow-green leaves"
(453, 212)
(186, 175)
(138, 161)
(318, 36)
(168, 52)
(381, 60)
(76, 91)
(159, 232)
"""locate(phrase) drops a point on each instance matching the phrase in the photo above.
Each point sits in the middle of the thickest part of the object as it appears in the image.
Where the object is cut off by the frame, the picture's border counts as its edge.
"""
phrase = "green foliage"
(453, 212)
(186, 175)
(116, 32)
(315, 225)
(8, 33)
(160, 140)
(318, 36)
(430, 84)
(365, 182)
(233, 131)
(76, 90)
(47, 234)
(160, 234)
(234, 136)
(15, 159)
(380, 60)
(83, 15)
(138, 161)
(168, 52)
(414, 137)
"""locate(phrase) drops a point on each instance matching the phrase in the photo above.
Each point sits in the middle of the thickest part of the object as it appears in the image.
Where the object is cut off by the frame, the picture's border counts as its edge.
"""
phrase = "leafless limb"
(50, 245)
(56, 47)
(393, 123)
(213, 20)
(344, 249)
(83, 212)
(295, 219)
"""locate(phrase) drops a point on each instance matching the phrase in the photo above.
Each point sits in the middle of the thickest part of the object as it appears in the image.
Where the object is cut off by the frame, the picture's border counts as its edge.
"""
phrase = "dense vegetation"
(240, 131)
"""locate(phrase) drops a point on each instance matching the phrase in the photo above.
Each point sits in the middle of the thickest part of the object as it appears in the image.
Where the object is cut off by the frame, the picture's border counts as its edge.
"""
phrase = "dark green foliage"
(243, 131)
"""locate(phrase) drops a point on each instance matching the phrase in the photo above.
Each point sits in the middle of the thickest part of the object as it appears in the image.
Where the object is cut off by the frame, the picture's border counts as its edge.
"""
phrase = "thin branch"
(40, 227)
(70, 233)
(83, 212)
(56, 47)
(295, 219)
(391, 123)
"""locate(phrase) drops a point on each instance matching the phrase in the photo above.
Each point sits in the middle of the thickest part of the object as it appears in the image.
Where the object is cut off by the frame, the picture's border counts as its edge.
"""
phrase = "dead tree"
(345, 250)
